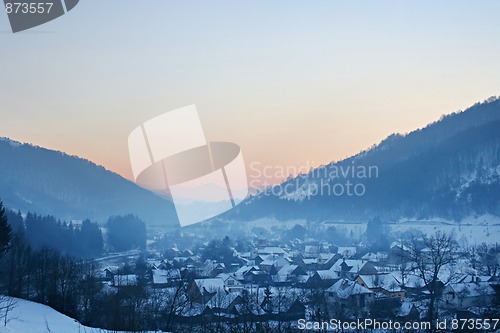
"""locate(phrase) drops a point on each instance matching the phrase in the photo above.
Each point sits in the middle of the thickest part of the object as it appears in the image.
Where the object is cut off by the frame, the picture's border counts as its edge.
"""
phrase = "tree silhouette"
(5, 231)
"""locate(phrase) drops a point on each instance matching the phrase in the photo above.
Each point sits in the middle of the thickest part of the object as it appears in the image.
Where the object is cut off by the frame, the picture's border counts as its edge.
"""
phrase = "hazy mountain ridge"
(51, 182)
(448, 169)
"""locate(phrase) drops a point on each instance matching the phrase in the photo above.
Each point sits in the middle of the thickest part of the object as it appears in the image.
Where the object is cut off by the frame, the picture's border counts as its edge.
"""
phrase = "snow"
(211, 285)
(471, 230)
(162, 276)
(287, 270)
(472, 289)
(347, 251)
(385, 281)
(30, 317)
(345, 288)
(354, 264)
(327, 274)
(125, 280)
(222, 300)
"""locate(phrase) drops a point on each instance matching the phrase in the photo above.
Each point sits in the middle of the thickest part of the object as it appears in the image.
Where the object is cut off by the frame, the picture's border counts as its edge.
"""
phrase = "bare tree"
(7, 304)
(489, 258)
(429, 256)
(175, 303)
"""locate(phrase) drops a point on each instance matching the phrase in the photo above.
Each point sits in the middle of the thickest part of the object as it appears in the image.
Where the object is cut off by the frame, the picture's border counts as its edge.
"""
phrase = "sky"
(294, 83)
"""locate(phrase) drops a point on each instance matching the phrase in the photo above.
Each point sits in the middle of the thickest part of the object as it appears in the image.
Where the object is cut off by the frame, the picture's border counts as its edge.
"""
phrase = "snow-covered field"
(474, 229)
(30, 317)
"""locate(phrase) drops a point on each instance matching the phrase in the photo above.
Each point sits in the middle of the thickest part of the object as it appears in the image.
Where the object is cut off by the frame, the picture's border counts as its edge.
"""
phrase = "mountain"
(449, 169)
(50, 182)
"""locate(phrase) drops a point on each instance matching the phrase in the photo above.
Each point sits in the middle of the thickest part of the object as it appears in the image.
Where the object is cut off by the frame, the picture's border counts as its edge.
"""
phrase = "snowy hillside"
(30, 317)
(448, 170)
(48, 182)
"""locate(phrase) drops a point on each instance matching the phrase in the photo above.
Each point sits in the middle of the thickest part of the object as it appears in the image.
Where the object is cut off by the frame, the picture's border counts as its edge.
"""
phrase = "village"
(278, 283)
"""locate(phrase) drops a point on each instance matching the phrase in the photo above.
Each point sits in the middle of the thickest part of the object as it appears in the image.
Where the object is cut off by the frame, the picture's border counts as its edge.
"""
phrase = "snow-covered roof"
(222, 299)
(225, 276)
(327, 274)
(400, 246)
(310, 261)
(243, 270)
(311, 249)
(276, 260)
(161, 276)
(344, 288)
(472, 289)
(374, 256)
(410, 280)
(210, 285)
(405, 309)
(384, 281)
(325, 256)
(287, 270)
(355, 265)
(346, 250)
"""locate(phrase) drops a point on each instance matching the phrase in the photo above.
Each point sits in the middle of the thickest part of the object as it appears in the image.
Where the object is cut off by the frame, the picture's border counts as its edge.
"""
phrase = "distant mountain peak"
(52, 182)
(447, 169)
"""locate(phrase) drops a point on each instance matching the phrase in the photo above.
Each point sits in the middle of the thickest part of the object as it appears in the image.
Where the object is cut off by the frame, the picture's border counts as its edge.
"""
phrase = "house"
(375, 257)
(468, 278)
(259, 277)
(296, 310)
(106, 274)
(154, 263)
(172, 252)
(164, 278)
(259, 258)
(180, 262)
(186, 253)
(272, 250)
(273, 261)
(326, 260)
(386, 284)
(408, 312)
(349, 268)
(202, 290)
(281, 303)
(211, 268)
(350, 296)
(223, 302)
(311, 251)
(323, 279)
(125, 280)
(230, 282)
(243, 270)
(289, 273)
(346, 251)
(290, 311)
(397, 252)
(467, 294)
(311, 263)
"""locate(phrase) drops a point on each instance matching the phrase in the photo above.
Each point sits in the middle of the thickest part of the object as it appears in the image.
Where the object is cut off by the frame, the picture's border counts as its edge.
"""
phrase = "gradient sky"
(292, 82)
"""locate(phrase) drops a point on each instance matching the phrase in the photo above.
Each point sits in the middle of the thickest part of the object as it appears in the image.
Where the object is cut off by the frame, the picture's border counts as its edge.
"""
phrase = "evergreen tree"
(267, 303)
(5, 231)
(126, 233)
